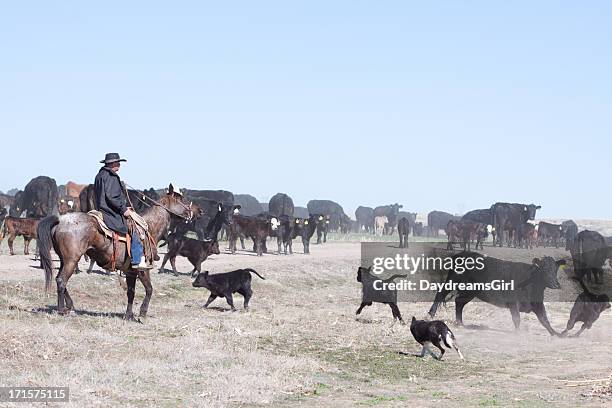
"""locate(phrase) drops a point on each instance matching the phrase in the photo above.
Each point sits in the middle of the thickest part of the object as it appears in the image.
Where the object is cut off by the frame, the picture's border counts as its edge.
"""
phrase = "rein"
(139, 193)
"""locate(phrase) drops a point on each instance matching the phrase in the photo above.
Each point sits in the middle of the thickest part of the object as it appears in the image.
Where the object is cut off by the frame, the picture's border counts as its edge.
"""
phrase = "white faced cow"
(379, 224)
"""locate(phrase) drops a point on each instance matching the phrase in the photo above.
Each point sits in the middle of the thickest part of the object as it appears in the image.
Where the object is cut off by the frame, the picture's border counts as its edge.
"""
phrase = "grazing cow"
(569, 229)
(530, 235)
(589, 254)
(587, 308)
(464, 232)
(14, 227)
(333, 212)
(365, 219)
(369, 292)
(438, 220)
(549, 234)
(257, 228)
(194, 250)
(40, 197)
(225, 284)
(249, 205)
(403, 228)
(281, 204)
(417, 229)
(511, 217)
(392, 213)
(379, 224)
(530, 281)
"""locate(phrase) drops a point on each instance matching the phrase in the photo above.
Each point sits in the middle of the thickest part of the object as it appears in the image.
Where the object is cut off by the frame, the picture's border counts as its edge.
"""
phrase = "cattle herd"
(238, 217)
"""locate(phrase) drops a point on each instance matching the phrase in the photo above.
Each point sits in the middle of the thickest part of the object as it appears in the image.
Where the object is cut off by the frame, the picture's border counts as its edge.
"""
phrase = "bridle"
(145, 197)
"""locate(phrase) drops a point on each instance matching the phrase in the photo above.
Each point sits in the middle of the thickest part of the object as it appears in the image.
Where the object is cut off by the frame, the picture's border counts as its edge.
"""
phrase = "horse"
(75, 234)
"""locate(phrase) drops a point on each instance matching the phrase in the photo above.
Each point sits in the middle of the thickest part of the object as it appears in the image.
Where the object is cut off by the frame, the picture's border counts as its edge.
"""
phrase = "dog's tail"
(449, 341)
(255, 272)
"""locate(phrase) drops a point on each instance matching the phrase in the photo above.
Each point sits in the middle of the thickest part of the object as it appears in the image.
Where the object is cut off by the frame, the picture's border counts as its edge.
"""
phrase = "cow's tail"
(255, 272)
(45, 242)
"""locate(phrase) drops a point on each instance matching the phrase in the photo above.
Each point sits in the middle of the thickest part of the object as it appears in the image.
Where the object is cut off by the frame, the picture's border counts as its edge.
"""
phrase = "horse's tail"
(45, 242)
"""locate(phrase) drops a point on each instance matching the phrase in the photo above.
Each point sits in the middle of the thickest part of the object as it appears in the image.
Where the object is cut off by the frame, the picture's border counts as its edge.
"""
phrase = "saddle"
(138, 224)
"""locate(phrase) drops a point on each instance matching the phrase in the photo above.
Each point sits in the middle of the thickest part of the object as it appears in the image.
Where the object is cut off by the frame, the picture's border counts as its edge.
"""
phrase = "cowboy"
(111, 202)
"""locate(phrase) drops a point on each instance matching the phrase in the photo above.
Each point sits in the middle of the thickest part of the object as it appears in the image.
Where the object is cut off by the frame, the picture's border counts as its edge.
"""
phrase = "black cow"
(87, 200)
(549, 234)
(194, 250)
(438, 220)
(306, 229)
(16, 207)
(589, 254)
(322, 227)
(403, 228)
(511, 217)
(281, 204)
(140, 202)
(225, 284)
(587, 308)
(370, 294)
(569, 229)
(530, 281)
(40, 198)
(208, 201)
(333, 212)
(392, 214)
(249, 204)
(365, 219)
(484, 216)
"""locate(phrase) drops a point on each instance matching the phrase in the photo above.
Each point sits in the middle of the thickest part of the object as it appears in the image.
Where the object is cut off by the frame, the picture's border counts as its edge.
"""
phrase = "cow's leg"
(278, 243)
(130, 279)
(516, 316)
(91, 265)
(570, 324)
(396, 312)
(246, 293)
(540, 312)
(173, 263)
(585, 325)
(241, 243)
(460, 301)
(230, 301)
(145, 279)
(363, 304)
(26, 245)
(11, 238)
(161, 267)
(210, 299)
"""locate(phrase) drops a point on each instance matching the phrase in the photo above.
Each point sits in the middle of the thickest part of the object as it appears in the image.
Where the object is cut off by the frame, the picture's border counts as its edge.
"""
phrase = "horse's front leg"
(64, 301)
(145, 279)
(130, 278)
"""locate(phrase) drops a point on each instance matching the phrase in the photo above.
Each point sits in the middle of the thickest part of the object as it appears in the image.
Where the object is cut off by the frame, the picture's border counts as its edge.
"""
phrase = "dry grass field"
(299, 345)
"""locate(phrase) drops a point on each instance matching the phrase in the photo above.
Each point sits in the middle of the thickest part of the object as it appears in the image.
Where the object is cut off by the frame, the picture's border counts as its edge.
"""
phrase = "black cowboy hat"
(111, 158)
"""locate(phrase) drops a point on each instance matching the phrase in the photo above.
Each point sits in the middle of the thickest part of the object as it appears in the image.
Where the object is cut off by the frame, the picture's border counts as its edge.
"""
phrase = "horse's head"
(176, 204)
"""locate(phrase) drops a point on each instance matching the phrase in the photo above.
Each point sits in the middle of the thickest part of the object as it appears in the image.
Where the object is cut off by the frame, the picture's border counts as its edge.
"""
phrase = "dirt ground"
(299, 345)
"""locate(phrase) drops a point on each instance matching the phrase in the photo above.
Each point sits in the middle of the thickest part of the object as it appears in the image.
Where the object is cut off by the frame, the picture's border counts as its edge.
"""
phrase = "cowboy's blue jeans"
(136, 249)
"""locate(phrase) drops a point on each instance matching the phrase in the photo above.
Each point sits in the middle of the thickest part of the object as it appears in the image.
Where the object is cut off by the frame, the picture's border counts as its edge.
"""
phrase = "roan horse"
(75, 234)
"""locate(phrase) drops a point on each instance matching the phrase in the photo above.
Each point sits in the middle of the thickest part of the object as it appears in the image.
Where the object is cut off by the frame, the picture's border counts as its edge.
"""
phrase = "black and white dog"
(434, 332)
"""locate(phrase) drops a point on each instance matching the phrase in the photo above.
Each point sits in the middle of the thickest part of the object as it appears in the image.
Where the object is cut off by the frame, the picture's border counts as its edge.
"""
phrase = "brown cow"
(464, 232)
(14, 227)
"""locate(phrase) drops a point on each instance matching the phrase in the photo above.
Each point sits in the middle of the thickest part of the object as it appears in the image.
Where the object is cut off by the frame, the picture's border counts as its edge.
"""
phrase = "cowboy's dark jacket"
(110, 199)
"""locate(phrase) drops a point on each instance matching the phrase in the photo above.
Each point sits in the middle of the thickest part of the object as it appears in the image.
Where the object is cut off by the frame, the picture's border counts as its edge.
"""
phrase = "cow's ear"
(538, 207)
(170, 189)
(561, 262)
(537, 262)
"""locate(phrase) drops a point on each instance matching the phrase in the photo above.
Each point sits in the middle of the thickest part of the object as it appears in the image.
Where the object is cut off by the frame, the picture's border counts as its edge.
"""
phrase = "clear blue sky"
(448, 106)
